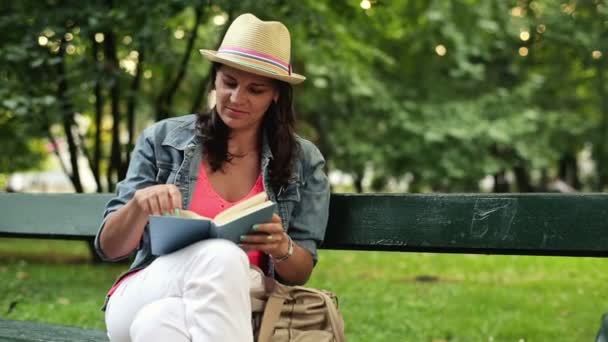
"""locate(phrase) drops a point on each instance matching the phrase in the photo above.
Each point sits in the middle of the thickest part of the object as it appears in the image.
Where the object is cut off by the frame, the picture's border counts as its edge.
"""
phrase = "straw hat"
(256, 46)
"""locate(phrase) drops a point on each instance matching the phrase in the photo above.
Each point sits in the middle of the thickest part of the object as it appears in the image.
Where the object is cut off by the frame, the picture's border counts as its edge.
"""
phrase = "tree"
(437, 93)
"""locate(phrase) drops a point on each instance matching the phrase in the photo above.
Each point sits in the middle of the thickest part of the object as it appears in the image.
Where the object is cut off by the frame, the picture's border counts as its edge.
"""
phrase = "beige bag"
(295, 313)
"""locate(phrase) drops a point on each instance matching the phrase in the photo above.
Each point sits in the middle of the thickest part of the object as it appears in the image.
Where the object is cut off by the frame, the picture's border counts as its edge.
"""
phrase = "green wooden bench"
(515, 224)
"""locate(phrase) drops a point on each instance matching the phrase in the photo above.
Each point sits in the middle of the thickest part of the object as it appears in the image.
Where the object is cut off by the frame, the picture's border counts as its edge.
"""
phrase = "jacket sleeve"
(310, 215)
(140, 174)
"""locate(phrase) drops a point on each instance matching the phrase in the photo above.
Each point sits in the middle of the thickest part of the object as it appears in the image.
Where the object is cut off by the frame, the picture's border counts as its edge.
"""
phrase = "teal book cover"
(170, 233)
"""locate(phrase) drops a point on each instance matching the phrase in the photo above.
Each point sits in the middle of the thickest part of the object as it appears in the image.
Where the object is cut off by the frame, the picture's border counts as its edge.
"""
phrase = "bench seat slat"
(535, 224)
(22, 331)
(51, 215)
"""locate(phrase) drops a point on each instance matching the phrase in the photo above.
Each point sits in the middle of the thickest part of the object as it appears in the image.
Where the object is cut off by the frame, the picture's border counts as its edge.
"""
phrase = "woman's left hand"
(269, 238)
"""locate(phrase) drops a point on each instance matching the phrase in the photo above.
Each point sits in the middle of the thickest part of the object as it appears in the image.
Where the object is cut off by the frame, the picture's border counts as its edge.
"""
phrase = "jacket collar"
(183, 135)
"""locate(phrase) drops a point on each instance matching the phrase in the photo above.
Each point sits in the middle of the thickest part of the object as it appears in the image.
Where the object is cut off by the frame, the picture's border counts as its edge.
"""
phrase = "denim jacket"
(169, 152)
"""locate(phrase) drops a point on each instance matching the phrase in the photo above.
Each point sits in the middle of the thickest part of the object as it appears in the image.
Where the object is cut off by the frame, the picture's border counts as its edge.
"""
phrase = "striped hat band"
(256, 60)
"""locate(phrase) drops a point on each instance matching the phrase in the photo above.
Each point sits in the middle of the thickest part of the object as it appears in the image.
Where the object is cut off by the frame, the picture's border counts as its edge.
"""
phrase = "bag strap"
(336, 322)
(272, 313)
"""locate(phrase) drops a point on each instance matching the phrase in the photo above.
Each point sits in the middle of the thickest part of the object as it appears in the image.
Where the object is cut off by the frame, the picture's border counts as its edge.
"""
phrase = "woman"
(206, 163)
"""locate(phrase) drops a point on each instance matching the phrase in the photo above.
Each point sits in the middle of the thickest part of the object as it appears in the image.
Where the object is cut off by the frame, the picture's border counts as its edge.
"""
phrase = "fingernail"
(243, 237)
(256, 227)
(176, 212)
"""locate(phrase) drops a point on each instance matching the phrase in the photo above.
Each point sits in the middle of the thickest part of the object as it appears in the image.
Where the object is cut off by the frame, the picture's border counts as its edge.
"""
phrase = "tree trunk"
(358, 182)
(67, 113)
(166, 96)
(85, 151)
(501, 184)
(116, 170)
(135, 86)
(544, 180)
(522, 179)
(602, 173)
(319, 122)
(568, 170)
(53, 141)
(96, 165)
(161, 111)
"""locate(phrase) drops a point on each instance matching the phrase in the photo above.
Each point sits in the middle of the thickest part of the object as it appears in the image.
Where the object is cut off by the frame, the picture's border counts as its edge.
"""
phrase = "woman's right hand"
(124, 227)
(158, 199)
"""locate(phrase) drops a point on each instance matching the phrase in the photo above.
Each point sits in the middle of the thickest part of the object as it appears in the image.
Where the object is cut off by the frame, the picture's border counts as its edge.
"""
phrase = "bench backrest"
(535, 224)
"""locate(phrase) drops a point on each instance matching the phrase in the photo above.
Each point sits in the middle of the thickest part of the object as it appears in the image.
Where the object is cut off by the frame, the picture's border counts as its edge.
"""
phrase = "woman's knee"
(117, 330)
(223, 253)
(162, 320)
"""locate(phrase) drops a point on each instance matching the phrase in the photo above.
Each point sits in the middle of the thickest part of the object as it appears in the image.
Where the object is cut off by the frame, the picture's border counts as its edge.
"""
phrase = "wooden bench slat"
(51, 215)
(22, 331)
(535, 224)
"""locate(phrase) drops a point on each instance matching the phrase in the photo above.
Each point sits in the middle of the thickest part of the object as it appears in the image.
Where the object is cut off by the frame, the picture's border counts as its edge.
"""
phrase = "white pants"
(199, 293)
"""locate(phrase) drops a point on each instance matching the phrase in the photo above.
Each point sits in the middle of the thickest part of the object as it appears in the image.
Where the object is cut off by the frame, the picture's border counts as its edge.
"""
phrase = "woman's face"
(242, 98)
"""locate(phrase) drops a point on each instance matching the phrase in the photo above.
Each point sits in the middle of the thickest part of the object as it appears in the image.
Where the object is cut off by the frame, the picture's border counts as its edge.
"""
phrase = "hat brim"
(212, 56)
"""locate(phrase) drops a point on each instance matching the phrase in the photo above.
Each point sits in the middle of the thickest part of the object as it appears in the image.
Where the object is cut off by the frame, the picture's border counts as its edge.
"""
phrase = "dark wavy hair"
(278, 125)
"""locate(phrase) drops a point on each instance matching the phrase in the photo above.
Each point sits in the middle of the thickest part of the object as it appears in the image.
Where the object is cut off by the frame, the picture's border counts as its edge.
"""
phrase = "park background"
(401, 96)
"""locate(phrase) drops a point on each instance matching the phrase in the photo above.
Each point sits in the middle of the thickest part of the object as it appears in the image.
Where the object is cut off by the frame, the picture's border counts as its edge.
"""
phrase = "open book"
(172, 232)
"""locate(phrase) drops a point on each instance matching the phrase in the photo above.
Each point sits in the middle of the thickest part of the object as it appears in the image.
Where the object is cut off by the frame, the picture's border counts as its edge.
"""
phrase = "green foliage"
(442, 93)
(16, 122)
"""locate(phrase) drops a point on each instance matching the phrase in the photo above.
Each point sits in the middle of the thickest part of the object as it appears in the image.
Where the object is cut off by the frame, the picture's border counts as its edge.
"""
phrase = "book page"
(241, 223)
(231, 216)
(190, 214)
(250, 202)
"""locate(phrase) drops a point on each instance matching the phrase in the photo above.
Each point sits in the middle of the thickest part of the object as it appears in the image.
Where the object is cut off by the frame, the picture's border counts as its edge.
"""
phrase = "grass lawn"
(383, 296)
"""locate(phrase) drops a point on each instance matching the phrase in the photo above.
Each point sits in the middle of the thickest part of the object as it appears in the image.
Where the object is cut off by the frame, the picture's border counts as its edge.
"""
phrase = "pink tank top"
(207, 202)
